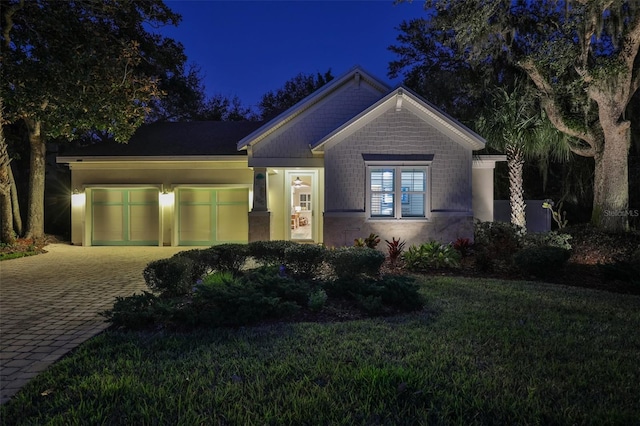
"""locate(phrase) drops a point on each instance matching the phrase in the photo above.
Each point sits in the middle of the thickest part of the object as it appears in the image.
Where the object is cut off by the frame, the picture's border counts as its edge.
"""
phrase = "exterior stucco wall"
(293, 139)
(398, 132)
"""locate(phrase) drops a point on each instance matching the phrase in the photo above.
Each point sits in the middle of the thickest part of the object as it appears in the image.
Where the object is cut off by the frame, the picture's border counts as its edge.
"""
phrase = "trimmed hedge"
(351, 262)
(170, 277)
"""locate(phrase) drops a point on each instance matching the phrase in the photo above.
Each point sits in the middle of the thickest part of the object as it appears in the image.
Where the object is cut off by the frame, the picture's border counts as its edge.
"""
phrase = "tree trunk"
(7, 235)
(35, 209)
(515, 163)
(15, 204)
(611, 180)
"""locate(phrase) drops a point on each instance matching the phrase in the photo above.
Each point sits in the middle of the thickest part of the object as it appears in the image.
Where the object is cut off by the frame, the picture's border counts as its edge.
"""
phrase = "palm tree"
(514, 123)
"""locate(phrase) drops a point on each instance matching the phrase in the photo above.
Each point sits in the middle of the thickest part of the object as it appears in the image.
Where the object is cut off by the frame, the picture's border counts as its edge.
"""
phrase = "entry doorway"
(301, 205)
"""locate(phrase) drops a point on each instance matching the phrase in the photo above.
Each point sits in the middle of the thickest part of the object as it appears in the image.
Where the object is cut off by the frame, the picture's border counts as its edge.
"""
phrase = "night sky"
(247, 48)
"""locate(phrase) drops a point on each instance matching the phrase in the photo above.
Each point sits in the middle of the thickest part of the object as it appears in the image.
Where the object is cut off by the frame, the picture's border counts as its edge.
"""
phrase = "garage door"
(124, 216)
(208, 216)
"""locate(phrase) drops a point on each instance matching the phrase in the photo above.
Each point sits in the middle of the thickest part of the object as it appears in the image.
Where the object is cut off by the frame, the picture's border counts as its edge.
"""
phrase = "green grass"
(481, 352)
(16, 255)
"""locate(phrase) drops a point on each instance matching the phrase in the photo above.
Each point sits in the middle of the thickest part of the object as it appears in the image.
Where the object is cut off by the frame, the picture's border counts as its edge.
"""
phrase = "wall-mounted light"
(166, 198)
(77, 198)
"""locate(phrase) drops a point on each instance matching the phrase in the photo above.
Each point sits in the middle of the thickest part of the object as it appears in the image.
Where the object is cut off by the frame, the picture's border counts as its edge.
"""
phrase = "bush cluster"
(212, 287)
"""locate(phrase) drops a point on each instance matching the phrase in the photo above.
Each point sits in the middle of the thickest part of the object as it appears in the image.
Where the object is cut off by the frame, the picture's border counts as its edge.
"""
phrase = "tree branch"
(8, 17)
(553, 111)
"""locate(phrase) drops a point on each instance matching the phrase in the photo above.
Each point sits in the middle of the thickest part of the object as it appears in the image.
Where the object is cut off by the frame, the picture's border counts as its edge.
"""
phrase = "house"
(354, 157)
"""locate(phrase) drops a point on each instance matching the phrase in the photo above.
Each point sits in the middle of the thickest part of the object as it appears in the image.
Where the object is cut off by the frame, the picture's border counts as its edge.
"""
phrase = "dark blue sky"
(247, 48)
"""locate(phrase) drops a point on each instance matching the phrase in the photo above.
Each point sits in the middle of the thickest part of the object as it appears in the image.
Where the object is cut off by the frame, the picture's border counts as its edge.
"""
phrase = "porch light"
(297, 182)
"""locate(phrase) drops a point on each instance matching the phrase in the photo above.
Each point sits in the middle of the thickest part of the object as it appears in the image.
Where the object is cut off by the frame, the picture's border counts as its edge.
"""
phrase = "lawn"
(483, 351)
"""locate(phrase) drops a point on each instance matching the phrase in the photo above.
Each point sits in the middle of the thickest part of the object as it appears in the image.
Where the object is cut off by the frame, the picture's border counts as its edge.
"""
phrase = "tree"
(582, 56)
(73, 67)
(6, 217)
(294, 90)
(512, 123)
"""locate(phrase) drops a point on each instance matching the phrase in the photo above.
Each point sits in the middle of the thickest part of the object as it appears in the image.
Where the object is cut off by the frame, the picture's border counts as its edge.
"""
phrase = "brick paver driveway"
(49, 303)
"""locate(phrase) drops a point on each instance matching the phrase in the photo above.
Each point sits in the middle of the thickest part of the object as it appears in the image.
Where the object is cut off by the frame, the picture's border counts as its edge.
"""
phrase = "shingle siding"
(292, 141)
(398, 132)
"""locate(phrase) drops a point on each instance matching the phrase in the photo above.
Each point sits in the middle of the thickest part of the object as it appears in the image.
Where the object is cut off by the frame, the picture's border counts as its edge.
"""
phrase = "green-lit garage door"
(124, 216)
(208, 216)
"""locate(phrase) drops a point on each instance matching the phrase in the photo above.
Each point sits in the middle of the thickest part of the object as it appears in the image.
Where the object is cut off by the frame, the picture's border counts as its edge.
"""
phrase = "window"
(305, 202)
(397, 191)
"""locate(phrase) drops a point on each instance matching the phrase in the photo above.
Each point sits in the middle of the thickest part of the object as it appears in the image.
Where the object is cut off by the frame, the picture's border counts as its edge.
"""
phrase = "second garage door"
(208, 216)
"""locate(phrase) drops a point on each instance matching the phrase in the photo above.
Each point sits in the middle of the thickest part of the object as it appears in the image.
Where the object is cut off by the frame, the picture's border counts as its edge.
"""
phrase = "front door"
(301, 205)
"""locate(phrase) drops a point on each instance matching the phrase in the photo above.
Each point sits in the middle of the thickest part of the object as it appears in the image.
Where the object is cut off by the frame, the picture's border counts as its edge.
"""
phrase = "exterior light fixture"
(166, 198)
(297, 182)
(77, 198)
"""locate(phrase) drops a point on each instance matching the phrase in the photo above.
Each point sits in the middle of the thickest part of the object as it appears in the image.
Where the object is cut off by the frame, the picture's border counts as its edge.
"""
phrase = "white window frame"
(397, 186)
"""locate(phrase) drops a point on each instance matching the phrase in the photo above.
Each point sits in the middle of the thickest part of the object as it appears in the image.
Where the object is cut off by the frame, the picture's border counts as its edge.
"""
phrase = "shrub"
(138, 311)
(204, 261)
(226, 300)
(502, 238)
(269, 253)
(394, 250)
(371, 241)
(271, 283)
(541, 261)
(170, 277)
(317, 300)
(431, 255)
(375, 296)
(463, 246)
(304, 260)
(548, 239)
(350, 262)
(228, 257)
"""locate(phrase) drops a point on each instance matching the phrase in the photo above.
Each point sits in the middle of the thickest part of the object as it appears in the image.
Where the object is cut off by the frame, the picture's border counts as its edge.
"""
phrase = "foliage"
(513, 123)
(139, 311)
(431, 255)
(98, 71)
(542, 261)
(371, 241)
(317, 300)
(227, 300)
(463, 246)
(204, 261)
(378, 296)
(581, 56)
(501, 238)
(623, 270)
(559, 216)
(170, 277)
(351, 262)
(229, 257)
(547, 239)
(395, 249)
(269, 252)
(294, 90)
(304, 260)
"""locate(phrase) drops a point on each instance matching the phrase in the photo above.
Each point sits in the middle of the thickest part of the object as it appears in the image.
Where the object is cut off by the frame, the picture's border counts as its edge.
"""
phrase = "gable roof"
(175, 139)
(354, 73)
(400, 98)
